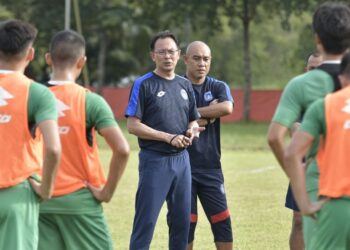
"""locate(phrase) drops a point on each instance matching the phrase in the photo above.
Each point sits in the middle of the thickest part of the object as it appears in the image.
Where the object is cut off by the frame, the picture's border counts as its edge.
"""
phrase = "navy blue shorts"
(209, 188)
(291, 203)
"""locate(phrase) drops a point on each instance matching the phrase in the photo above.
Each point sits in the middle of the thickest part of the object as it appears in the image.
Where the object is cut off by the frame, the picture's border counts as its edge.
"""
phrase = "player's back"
(80, 161)
(300, 93)
(316, 84)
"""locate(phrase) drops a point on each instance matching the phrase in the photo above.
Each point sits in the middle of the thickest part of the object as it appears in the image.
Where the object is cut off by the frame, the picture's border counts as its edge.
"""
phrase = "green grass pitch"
(255, 187)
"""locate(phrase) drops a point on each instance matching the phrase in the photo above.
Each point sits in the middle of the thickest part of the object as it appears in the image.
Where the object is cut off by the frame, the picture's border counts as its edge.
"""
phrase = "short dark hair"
(345, 65)
(66, 47)
(162, 35)
(331, 22)
(15, 37)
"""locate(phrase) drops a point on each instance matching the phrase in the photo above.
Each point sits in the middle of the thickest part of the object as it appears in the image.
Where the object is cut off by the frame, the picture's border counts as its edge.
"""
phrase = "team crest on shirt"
(184, 94)
(4, 95)
(208, 96)
(161, 93)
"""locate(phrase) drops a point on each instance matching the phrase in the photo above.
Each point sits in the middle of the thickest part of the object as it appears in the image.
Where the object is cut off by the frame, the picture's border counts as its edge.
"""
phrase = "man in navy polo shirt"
(213, 100)
(162, 114)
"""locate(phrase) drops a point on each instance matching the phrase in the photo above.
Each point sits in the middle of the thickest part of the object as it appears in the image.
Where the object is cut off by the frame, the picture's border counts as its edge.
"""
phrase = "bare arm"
(141, 130)
(52, 154)
(202, 122)
(120, 154)
(294, 166)
(294, 128)
(275, 138)
(216, 110)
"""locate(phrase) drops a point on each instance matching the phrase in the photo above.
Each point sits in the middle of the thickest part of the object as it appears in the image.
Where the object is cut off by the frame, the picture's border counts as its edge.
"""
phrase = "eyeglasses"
(164, 52)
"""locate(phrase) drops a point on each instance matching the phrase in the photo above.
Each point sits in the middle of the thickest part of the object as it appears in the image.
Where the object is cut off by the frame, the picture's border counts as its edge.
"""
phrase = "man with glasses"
(162, 114)
(214, 100)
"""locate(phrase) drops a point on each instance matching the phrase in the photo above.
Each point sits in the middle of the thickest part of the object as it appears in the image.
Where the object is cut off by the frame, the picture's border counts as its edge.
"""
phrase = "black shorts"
(291, 203)
(209, 188)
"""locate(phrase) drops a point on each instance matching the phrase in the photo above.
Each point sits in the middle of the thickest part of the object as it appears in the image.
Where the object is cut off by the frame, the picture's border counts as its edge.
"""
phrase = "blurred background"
(256, 44)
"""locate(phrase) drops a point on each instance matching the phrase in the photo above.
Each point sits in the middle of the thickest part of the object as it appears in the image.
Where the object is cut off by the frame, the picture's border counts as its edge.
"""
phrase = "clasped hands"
(183, 141)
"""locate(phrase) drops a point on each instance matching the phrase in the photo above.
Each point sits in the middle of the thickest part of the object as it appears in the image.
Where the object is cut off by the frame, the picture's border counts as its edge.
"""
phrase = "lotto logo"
(4, 96)
(63, 130)
(161, 93)
(5, 118)
(61, 108)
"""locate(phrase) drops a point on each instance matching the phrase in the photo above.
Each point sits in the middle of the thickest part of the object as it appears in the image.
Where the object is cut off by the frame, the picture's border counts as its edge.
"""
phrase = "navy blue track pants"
(162, 178)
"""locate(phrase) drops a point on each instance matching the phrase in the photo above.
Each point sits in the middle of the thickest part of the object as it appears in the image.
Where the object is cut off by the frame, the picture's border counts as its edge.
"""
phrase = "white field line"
(261, 170)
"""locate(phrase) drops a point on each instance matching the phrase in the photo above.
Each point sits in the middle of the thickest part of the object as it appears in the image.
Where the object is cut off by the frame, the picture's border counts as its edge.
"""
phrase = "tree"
(248, 10)
(245, 10)
(118, 32)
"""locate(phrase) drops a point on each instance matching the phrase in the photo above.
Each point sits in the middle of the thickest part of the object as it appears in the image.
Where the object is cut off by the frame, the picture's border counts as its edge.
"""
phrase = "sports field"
(255, 188)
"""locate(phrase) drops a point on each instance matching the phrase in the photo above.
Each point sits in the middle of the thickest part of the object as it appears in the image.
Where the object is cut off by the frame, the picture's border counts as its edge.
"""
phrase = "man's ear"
(152, 56)
(318, 42)
(30, 54)
(81, 62)
(344, 81)
(317, 39)
(185, 58)
(48, 59)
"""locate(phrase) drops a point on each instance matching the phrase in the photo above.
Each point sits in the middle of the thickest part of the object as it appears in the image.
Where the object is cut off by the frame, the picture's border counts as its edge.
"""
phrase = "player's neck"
(169, 75)
(196, 81)
(330, 57)
(19, 67)
(63, 75)
(327, 56)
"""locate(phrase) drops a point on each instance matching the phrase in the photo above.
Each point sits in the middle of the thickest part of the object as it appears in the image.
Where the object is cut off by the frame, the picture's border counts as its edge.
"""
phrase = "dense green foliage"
(118, 33)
